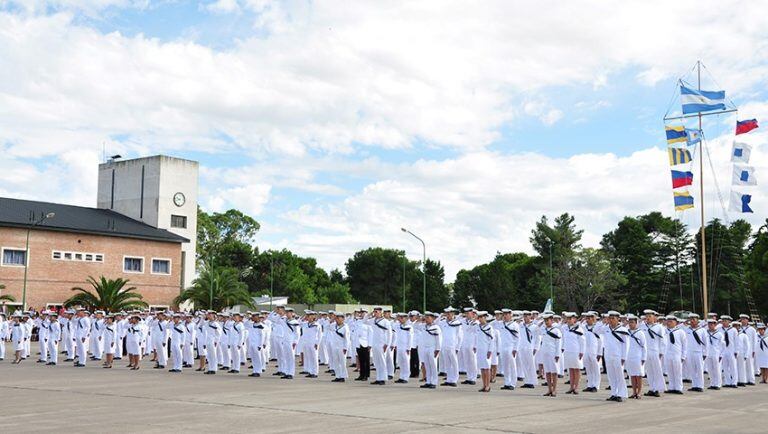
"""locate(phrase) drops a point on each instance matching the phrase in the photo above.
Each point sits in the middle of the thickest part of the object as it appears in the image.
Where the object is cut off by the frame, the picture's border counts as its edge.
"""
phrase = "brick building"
(143, 230)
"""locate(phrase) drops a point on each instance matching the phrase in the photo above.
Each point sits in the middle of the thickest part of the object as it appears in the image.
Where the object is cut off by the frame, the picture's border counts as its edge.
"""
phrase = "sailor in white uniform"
(636, 356)
(714, 354)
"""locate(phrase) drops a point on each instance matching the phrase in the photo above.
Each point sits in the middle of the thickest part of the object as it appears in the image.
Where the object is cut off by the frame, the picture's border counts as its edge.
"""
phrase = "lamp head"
(50, 215)
(403, 229)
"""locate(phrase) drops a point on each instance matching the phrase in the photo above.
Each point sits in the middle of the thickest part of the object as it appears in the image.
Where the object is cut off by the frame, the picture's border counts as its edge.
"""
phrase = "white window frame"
(186, 221)
(53, 255)
(143, 264)
(20, 249)
(83, 256)
(96, 256)
(170, 267)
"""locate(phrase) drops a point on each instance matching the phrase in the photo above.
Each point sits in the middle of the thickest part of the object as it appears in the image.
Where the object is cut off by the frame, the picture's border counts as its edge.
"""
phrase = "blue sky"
(335, 124)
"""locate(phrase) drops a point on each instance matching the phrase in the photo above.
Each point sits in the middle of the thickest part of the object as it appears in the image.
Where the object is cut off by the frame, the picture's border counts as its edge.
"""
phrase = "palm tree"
(6, 297)
(107, 294)
(216, 288)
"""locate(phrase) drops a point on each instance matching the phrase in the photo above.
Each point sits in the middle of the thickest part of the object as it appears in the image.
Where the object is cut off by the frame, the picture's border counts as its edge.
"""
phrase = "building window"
(78, 256)
(98, 258)
(14, 257)
(56, 255)
(161, 266)
(88, 257)
(68, 256)
(133, 265)
(178, 221)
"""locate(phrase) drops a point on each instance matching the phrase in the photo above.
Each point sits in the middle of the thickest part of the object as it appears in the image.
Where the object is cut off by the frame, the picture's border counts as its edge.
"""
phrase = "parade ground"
(39, 398)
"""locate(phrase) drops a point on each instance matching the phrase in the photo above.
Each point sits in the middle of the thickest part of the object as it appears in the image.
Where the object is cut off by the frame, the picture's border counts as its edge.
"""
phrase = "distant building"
(144, 230)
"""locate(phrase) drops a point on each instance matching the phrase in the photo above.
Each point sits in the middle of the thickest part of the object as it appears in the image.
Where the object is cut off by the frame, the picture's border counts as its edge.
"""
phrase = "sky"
(336, 123)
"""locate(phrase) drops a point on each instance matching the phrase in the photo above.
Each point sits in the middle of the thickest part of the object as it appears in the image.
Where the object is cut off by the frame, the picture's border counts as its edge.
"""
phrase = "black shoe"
(255, 374)
(505, 387)
(608, 388)
(713, 388)
(449, 384)
(278, 373)
(687, 381)
(612, 398)
(470, 382)
(287, 377)
(750, 384)
(401, 381)
(619, 399)
(338, 380)
(233, 371)
(69, 360)
(590, 389)
(210, 372)
(303, 373)
(79, 365)
(527, 386)
(390, 377)
(378, 383)
(178, 371)
(500, 375)
(695, 389)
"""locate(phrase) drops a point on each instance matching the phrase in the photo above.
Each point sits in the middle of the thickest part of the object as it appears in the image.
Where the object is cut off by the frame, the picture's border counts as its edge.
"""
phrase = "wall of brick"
(51, 281)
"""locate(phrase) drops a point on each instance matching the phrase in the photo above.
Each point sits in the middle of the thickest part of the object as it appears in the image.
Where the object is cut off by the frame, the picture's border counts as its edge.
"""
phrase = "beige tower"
(160, 191)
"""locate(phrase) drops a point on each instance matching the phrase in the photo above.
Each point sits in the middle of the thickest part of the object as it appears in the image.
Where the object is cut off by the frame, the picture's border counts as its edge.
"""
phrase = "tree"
(296, 277)
(510, 280)
(563, 240)
(216, 288)
(726, 257)
(108, 295)
(375, 275)
(335, 293)
(6, 297)
(593, 283)
(224, 239)
(756, 271)
(437, 297)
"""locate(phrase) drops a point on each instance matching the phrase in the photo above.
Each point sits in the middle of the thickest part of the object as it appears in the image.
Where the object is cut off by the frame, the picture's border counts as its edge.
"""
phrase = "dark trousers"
(364, 360)
(415, 365)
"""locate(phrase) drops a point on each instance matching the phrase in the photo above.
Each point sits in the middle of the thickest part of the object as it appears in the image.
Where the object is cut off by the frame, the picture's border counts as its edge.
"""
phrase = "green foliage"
(510, 280)
(108, 295)
(6, 297)
(224, 239)
(375, 275)
(216, 288)
(757, 268)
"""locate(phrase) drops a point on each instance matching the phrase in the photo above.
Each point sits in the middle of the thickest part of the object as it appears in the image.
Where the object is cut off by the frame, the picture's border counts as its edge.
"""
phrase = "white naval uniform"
(97, 338)
(714, 353)
(18, 336)
(110, 338)
(236, 343)
(551, 348)
(381, 337)
(730, 373)
(178, 338)
(54, 337)
(312, 337)
(403, 342)
(761, 352)
(656, 347)
(697, 350)
(574, 346)
(528, 345)
(637, 354)
(453, 336)
(3, 337)
(467, 351)
(485, 344)
(258, 335)
(592, 349)
(213, 335)
(190, 336)
(431, 340)
(42, 337)
(744, 349)
(676, 352)
(82, 329)
(339, 342)
(616, 349)
(133, 339)
(509, 338)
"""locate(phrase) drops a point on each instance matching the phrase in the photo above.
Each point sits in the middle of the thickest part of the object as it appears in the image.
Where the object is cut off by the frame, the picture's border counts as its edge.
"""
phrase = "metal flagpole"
(704, 298)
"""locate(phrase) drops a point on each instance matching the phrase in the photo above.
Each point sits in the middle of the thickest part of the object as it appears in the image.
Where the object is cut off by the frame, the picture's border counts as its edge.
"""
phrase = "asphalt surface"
(38, 398)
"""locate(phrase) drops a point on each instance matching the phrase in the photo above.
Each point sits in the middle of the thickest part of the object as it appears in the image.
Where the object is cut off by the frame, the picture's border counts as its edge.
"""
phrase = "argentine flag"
(695, 101)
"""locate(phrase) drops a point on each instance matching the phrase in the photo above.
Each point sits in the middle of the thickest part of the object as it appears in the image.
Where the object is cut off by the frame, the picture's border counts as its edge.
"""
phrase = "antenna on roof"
(115, 157)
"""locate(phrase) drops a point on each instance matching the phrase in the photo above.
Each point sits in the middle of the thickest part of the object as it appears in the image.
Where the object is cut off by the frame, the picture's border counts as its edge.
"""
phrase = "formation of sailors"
(519, 346)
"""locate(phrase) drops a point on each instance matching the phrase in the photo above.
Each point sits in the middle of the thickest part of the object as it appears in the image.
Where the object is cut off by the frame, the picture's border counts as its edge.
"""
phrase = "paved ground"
(92, 399)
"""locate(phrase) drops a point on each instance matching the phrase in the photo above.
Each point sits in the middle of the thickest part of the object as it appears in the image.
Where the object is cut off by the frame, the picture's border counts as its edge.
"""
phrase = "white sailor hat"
(744, 316)
(469, 309)
(726, 318)
(449, 310)
(289, 309)
(341, 314)
(432, 314)
(53, 313)
(378, 308)
(671, 318)
(589, 313)
(237, 314)
(178, 315)
(631, 317)
(387, 309)
(331, 312)
(496, 312)
(613, 313)
(224, 314)
(711, 314)
(526, 312)
(649, 312)
(505, 310)
(693, 316)
(760, 325)
(264, 312)
(16, 315)
(307, 311)
(547, 315)
(482, 312)
(413, 313)
(211, 311)
(401, 314)
(534, 312)
(70, 311)
(570, 314)
(736, 324)
(712, 321)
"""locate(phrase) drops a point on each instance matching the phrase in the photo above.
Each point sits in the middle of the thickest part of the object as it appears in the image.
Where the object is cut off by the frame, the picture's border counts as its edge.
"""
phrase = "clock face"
(179, 199)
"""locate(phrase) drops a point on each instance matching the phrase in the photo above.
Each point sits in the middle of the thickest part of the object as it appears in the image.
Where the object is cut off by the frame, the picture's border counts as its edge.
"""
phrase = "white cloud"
(223, 6)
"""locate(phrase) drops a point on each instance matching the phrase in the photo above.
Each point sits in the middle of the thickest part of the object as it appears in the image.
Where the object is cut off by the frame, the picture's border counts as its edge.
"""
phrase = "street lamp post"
(50, 215)
(271, 279)
(423, 268)
(551, 290)
(404, 259)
